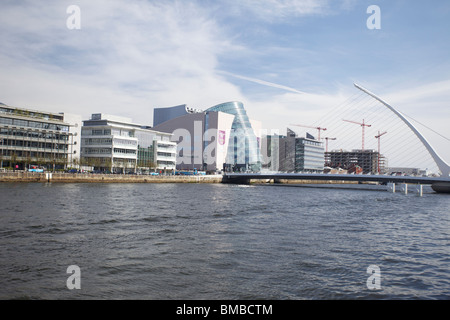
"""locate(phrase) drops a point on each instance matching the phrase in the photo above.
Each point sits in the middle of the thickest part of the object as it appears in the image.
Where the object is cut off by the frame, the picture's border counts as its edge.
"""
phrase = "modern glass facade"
(33, 138)
(243, 152)
(298, 154)
(309, 156)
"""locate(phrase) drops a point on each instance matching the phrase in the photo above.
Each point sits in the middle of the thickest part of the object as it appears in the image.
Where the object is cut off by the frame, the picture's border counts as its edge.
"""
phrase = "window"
(125, 142)
(97, 132)
(124, 151)
(20, 123)
(6, 121)
(96, 150)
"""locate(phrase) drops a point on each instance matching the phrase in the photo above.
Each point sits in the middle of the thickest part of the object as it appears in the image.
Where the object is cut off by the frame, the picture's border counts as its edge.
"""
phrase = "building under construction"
(356, 161)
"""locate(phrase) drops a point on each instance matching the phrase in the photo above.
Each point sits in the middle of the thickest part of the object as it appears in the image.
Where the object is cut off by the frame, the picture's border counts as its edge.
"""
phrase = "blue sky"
(285, 59)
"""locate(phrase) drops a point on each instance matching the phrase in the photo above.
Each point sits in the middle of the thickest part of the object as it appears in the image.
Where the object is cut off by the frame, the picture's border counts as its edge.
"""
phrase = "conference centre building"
(221, 138)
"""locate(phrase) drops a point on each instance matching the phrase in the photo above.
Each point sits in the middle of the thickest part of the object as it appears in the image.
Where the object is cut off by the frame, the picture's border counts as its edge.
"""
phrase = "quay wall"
(24, 176)
(104, 178)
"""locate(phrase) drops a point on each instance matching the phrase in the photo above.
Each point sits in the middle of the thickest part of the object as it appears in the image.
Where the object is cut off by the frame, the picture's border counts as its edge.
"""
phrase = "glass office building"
(243, 146)
(299, 154)
(309, 156)
(30, 138)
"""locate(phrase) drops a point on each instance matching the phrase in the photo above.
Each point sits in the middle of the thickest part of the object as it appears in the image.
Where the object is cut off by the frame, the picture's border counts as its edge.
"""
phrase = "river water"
(215, 241)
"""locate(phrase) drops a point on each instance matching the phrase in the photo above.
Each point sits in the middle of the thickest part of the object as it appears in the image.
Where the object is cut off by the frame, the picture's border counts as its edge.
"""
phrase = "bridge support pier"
(419, 190)
(391, 187)
(404, 189)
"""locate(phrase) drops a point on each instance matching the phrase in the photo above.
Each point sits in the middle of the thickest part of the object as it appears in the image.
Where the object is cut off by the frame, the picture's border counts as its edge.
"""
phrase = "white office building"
(115, 144)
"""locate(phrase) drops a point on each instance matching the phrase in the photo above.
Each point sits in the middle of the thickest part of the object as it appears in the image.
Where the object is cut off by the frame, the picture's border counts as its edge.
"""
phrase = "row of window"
(33, 144)
(123, 132)
(99, 132)
(124, 151)
(33, 134)
(106, 151)
(310, 155)
(165, 154)
(31, 154)
(30, 113)
(97, 141)
(96, 150)
(108, 141)
(33, 124)
(314, 164)
(125, 142)
(108, 132)
(169, 149)
(96, 132)
(124, 162)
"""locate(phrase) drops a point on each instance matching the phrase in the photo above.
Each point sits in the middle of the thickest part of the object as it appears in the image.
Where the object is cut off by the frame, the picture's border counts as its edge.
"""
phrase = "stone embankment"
(22, 176)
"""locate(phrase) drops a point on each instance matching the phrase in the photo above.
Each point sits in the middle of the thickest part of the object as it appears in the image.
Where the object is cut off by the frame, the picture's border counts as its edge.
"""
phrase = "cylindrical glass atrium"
(243, 152)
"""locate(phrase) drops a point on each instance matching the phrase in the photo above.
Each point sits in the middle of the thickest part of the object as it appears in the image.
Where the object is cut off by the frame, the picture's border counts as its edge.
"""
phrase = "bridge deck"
(243, 177)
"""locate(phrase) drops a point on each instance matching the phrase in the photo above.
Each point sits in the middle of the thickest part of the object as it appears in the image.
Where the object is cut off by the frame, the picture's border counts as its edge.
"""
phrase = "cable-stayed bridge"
(405, 146)
(439, 184)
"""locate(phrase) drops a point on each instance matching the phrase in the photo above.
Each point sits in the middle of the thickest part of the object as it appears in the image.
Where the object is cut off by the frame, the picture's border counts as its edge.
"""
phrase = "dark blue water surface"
(214, 241)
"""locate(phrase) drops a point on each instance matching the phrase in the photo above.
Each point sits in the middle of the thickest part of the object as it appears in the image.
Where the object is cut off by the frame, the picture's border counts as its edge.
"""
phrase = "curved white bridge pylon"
(442, 165)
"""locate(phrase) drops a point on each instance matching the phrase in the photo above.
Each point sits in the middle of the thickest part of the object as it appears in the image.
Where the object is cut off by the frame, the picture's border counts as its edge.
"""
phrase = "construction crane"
(363, 125)
(379, 147)
(326, 144)
(318, 128)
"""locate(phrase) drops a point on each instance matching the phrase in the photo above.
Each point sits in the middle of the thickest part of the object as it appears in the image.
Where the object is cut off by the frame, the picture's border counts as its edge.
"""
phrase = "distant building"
(112, 143)
(356, 161)
(292, 153)
(219, 138)
(37, 139)
(408, 171)
(161, 115)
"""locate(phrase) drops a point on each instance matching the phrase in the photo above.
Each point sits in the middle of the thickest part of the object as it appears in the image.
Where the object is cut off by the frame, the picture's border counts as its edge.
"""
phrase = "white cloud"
(262, 82)
(127, 57)
(275, 10)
